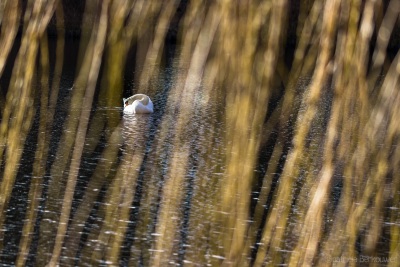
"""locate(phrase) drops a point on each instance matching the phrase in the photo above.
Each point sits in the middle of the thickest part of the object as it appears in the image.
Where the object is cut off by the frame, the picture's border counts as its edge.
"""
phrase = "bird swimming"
(138, 104)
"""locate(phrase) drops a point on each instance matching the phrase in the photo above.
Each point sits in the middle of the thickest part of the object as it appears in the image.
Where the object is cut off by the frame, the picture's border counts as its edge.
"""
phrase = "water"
(120, 182)
(140, 183)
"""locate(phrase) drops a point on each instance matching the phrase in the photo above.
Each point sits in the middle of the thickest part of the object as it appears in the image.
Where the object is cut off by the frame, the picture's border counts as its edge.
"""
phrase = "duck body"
(138, 104)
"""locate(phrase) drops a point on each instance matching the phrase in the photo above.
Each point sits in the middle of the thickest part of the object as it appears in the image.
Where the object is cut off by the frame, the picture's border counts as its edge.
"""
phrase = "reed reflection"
(261, 150)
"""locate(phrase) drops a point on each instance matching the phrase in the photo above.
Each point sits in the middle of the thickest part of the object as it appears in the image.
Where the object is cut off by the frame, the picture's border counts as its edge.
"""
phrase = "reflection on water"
(231, 169)
(125, 179)
(140, 194)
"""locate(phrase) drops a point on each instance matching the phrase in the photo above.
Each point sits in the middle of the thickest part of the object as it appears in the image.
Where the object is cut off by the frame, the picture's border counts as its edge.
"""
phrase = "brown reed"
(327, 114)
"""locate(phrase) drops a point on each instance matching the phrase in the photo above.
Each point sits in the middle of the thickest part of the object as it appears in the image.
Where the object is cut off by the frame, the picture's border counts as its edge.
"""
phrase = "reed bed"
(295, 160)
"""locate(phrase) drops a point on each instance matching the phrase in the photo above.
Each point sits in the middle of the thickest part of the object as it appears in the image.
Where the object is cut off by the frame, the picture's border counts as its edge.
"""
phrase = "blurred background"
(274, 139)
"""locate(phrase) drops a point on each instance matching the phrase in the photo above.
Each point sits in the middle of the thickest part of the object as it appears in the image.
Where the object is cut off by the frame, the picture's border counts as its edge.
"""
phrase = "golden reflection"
(274, 138)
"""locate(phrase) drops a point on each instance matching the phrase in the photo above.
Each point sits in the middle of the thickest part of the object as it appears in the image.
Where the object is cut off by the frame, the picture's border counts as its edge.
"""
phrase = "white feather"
(138, 103)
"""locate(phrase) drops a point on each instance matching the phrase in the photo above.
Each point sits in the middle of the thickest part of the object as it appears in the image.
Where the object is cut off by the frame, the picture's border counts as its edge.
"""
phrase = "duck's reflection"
(135, 129)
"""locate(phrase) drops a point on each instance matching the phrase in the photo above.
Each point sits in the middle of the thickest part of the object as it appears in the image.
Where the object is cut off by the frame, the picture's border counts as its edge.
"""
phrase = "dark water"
(149, 138)
(124, 173)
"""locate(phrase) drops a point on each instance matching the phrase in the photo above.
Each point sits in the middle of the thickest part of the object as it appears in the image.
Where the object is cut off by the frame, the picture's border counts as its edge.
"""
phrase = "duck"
(138, 104)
